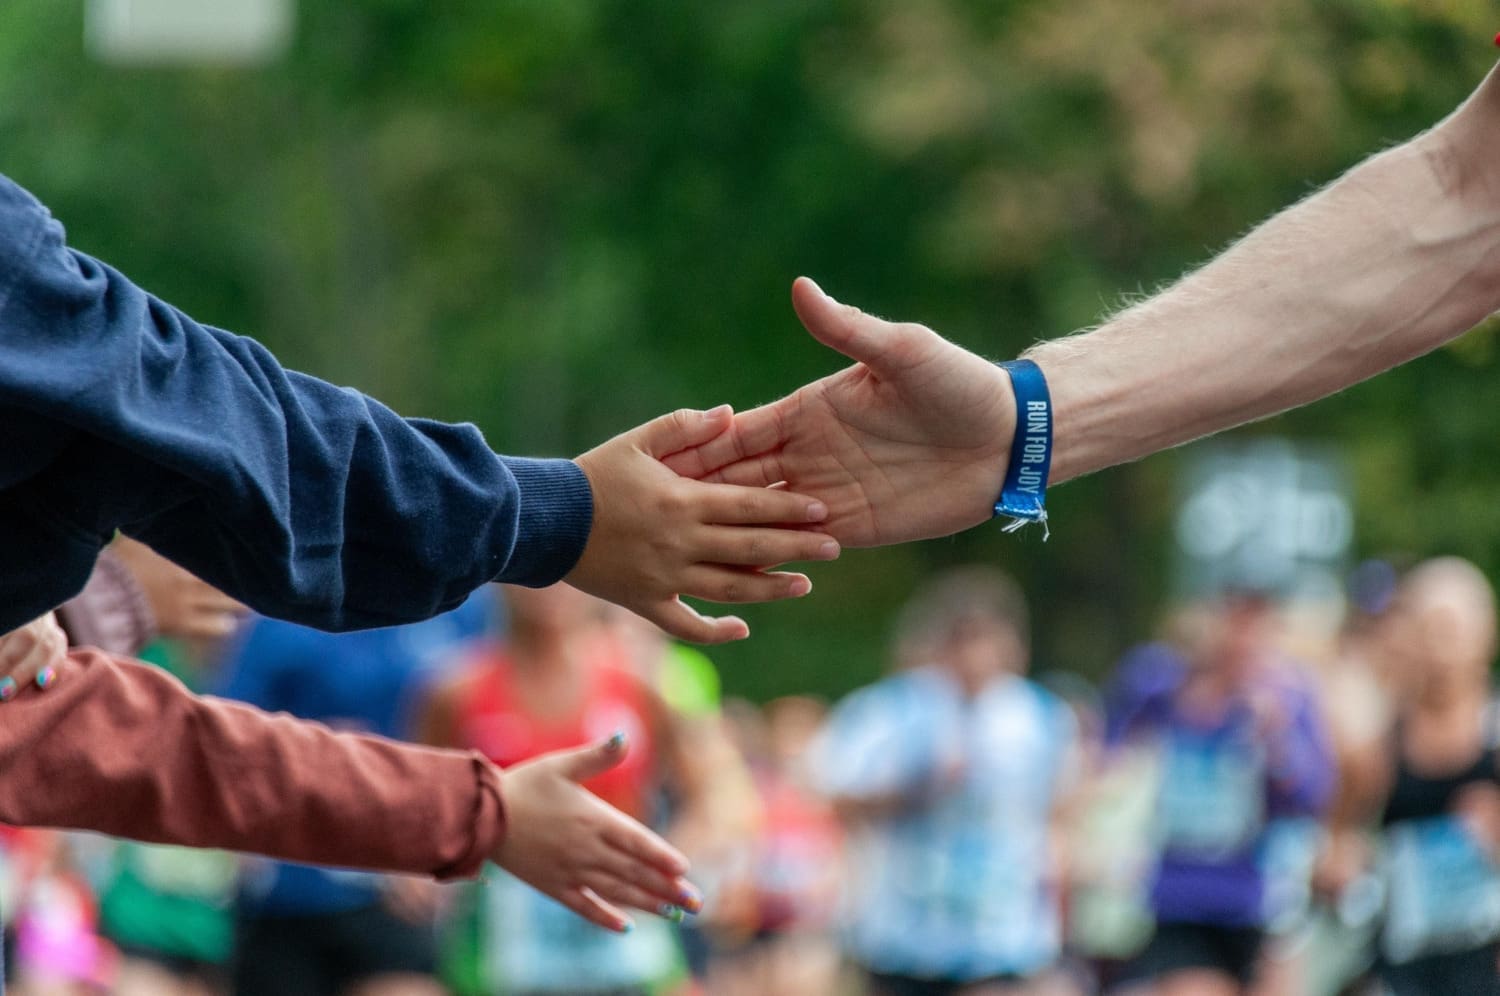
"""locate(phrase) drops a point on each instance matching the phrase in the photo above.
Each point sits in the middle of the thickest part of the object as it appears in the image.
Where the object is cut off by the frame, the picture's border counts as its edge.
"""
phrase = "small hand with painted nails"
(31, 654)
(565, 841)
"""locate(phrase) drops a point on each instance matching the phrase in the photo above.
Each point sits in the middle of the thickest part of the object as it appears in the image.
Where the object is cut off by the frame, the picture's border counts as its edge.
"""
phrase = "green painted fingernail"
(46, 676)
(670, 912)
(8, 688)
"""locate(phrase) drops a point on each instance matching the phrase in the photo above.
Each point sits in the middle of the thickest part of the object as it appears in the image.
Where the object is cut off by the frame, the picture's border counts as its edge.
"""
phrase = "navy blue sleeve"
(309, 502)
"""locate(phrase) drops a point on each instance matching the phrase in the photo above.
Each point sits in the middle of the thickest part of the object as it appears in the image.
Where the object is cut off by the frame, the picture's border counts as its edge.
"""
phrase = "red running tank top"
(492, 720)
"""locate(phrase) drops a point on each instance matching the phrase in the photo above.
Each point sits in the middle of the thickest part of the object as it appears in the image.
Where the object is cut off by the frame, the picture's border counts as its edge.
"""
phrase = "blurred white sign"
(1267, 514)
(188, 31)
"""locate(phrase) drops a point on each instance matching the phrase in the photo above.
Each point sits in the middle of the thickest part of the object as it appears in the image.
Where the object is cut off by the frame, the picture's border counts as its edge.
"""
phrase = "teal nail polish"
(46, 676)
(627, 926)
(616, 741)
(670, 912)
(8, 688)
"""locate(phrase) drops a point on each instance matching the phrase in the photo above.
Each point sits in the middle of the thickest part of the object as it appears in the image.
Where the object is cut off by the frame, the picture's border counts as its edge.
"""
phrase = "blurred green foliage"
(558, 219)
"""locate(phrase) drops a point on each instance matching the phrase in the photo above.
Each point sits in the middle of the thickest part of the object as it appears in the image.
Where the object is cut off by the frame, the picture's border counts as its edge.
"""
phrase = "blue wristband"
(1024, 495)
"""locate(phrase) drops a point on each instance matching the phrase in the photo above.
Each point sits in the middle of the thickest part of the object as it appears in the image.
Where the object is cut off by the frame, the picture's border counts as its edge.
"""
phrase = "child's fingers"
(588, 905)
(759, 506)
(28, 655)
(752, 472)
(736, 585)
(751, 433)
(662, 887)
(643, 847)
(680, 620)
(763, 547)
(679, 430)
(583, 763)
(630, 895)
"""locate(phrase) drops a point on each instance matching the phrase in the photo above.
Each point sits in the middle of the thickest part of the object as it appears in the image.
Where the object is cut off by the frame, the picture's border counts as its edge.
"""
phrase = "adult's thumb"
(684, 428)
(590, 762)
(861, 337)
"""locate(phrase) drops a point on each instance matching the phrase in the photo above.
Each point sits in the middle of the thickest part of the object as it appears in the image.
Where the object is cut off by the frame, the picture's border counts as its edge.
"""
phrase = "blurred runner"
(1441, 812)
(1335, 947)
(558, 683)
(718, 846)
(306, 931)
(170, 910)
(949, 776)
(55, 944)
(780, 939)
(1242, 747)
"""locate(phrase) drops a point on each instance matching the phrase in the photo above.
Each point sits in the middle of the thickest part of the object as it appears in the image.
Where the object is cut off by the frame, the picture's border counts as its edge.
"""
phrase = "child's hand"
(31, 654)
(657, 536)
(565, 841)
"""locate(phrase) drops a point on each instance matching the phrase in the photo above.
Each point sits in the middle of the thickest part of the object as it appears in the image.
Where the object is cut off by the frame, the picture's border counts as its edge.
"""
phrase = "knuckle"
(670, 502)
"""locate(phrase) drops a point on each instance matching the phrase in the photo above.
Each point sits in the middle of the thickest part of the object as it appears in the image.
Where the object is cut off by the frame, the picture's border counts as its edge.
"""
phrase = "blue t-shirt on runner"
(368, 682)
(956, 887)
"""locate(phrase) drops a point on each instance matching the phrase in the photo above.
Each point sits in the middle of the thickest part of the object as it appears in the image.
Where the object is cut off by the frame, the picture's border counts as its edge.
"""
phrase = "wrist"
(1085, 409)
(1023, 495)
(997, 426)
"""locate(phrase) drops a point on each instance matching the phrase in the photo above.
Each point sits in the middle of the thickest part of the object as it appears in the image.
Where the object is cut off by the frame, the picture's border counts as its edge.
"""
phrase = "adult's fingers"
(588, 905)
(750, 546)
(743, 586)
(682, 621)
(758, 506)
(751, 433)
(682, 429)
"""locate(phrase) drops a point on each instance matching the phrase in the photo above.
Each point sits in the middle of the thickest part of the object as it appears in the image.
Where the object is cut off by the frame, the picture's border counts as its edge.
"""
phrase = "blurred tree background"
(559, 219)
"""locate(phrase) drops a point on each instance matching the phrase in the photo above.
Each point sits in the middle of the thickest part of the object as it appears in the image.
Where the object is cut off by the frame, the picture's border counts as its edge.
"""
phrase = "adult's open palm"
(908, 443)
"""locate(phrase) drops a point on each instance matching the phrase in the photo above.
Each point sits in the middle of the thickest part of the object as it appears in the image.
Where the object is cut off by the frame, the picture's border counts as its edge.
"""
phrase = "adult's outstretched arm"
(1393, 259)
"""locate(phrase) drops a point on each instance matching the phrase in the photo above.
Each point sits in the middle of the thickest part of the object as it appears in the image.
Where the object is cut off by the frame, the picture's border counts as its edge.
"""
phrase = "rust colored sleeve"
(123, 748)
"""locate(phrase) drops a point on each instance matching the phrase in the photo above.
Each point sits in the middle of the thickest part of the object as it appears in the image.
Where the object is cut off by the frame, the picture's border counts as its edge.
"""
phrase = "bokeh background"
(559, 219)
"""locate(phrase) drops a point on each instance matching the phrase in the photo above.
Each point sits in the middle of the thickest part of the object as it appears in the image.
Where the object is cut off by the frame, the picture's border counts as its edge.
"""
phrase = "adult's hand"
(657, 536)
(909, 443)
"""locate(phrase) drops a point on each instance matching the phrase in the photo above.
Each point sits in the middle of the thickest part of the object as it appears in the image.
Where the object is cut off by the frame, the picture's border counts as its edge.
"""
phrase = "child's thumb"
(592, 761)
(686, 427)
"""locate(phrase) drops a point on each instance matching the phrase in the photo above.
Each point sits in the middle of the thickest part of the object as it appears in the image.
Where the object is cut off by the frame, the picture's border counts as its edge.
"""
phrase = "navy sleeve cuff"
(556, 513)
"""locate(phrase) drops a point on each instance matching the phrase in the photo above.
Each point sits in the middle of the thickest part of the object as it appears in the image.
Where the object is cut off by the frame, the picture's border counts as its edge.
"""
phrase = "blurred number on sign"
(1267, 514)
(188, 31)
